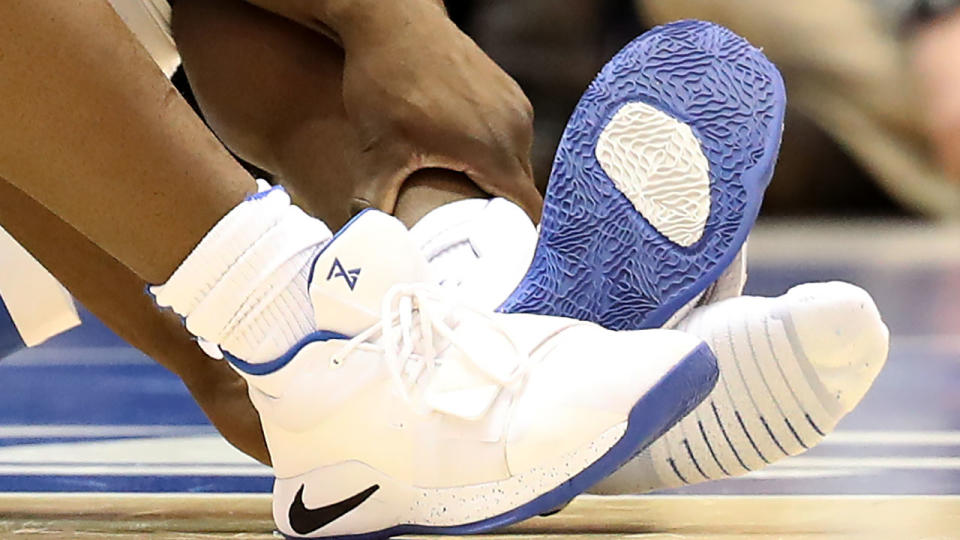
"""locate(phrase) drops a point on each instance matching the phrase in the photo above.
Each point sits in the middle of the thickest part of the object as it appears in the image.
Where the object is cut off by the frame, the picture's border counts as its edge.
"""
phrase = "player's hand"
(422, 94)
(935, 49)
(222, 395)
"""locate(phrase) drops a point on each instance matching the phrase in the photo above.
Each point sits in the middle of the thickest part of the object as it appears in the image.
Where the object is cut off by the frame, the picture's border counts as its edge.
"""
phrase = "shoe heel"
(658, 179)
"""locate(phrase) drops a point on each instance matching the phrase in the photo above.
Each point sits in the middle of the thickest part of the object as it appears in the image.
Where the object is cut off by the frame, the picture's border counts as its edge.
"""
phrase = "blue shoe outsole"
(597, 258)
(672, 398)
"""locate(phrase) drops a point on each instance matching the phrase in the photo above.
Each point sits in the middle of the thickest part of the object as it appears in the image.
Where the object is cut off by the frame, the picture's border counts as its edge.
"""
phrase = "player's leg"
(349, 277)
(98, 280)
(94, 133)
(131, 138)
(92, 130)
(273, 92)
(116, 295)
(248, 285)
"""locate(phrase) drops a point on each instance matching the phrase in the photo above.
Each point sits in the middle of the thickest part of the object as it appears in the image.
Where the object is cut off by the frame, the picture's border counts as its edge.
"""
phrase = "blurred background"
(873, 124)
(873, 127)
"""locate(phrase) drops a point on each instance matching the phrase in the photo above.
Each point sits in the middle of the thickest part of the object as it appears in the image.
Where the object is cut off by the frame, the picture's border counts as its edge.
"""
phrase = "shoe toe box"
(840, 332)
(585, 384)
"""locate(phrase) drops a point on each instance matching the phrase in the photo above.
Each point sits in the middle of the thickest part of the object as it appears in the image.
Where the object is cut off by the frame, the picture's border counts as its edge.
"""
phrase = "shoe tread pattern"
(598, 259)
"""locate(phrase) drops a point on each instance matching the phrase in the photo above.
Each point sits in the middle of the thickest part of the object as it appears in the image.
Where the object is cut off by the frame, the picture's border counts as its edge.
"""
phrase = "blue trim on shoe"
(668, 401)
(266, 368)
(264, 194)
(10, 340)
(313, 265)
(598, 259)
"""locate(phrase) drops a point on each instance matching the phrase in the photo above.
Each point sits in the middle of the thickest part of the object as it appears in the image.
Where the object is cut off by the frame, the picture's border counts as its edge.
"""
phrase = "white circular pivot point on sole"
(657, 162)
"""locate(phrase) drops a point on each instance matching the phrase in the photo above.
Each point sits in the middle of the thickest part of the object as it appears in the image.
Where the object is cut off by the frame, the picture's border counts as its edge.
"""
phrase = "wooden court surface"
(653, 517)
(891, 471)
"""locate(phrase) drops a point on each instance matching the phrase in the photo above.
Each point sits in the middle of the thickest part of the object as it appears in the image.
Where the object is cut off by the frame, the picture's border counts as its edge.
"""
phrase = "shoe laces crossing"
(414, 331)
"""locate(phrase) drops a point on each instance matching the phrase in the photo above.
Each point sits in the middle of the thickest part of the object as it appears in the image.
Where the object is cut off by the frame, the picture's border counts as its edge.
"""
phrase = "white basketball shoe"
(477, 249)
(405, 411)
(436, 417)
(481, 248)
(791, 367)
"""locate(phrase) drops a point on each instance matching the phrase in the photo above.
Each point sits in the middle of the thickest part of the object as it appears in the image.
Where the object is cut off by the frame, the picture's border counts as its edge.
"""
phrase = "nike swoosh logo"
(305, 520)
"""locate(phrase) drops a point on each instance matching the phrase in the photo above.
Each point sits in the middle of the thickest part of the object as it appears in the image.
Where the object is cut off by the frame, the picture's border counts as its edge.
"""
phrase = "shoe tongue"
(481, 247)
(370, 254)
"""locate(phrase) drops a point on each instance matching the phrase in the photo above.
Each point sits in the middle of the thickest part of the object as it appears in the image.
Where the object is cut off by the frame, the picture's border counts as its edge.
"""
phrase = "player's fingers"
(511, 179)
(386, 163)
(519, 181)
(223, 397)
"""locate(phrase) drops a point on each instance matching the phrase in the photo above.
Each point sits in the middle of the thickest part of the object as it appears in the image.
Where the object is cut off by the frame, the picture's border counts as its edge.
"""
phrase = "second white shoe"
(411, 413)
(481, 248)
(790, 368)
(477, 248)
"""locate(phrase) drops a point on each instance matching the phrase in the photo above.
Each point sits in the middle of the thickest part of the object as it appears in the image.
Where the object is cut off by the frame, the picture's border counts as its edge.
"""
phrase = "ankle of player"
(261, 245)
(428, 189)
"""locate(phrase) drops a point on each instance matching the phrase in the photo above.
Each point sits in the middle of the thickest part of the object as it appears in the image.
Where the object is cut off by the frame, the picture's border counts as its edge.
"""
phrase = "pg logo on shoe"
(337, 270)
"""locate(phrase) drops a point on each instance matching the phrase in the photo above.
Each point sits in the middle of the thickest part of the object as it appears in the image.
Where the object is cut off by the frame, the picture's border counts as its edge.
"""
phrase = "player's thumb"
(384, 167)
(513, 180)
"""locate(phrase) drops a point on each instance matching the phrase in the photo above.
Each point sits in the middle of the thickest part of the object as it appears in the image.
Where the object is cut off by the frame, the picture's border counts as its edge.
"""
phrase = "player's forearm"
(91, 129)
(115, 295)
(348, 21)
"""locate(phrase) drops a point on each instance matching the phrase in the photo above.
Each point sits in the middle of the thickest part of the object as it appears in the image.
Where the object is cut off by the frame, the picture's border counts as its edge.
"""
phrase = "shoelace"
(419, 307)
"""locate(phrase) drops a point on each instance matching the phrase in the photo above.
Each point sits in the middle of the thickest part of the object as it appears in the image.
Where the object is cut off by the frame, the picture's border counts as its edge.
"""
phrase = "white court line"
(893, 438)
(256, 470)
(51, 431)
(889, 244)
(796, 467)
(935, 343)
(43, 496)
(911, 463)
(78, 356)
(189, 451)
(797, 473)
(124, 355)
(808, 465)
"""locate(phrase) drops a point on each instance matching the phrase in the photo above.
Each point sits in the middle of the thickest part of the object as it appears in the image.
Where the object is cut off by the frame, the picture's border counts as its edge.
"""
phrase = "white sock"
(244, 287)
(790, 368)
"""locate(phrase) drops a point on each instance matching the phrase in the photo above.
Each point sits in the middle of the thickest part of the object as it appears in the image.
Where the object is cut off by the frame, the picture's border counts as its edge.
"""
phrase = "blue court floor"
(85, 413)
